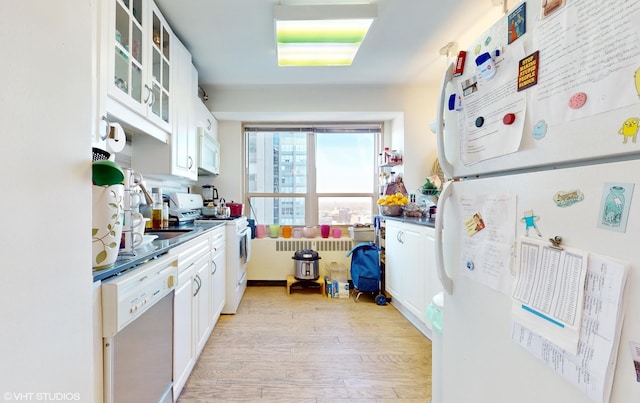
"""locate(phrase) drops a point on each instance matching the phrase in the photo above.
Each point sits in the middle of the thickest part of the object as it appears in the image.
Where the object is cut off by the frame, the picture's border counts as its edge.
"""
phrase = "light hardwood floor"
(304, 347)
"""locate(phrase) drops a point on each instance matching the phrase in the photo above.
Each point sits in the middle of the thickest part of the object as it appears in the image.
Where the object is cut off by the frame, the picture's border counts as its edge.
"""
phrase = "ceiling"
(232, 41)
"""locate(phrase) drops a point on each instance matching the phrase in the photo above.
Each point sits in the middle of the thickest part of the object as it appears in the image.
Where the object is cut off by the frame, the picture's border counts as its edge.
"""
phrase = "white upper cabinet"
(179, 157)
(137, 50)
(185, 146)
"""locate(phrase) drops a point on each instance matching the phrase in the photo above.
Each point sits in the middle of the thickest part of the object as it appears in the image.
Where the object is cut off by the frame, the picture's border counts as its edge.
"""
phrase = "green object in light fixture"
(320, 43)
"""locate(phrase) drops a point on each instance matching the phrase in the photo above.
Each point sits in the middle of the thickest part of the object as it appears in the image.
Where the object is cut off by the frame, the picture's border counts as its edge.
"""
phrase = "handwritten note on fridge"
(486, 254)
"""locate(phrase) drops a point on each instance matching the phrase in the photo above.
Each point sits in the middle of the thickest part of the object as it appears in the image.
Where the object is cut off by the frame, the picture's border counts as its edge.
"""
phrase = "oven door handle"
(246, 233)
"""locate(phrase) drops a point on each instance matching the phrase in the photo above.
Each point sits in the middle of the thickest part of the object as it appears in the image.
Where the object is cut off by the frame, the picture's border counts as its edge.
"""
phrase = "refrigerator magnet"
(566, 199)
(474, 224)
(614, 207)
(462, 57)
(517, 23)
(529, 220)
(577, 100)
(539, 130)
(455, 102)
(509, 118)
(528, 71)
(486, 67)
(629, 130)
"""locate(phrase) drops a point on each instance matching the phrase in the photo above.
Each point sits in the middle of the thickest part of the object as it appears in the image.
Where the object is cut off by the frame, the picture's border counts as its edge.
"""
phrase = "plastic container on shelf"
(361, 233)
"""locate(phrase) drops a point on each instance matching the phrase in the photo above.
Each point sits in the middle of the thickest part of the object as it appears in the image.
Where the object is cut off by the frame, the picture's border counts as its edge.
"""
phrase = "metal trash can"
(434, 316)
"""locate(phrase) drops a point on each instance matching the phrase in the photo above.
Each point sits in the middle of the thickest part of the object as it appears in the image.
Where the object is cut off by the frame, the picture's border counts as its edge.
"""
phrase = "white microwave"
(208, 153)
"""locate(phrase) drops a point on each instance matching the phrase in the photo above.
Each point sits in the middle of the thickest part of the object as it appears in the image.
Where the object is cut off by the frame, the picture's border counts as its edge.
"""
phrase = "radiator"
(319, 245)
(272, 258)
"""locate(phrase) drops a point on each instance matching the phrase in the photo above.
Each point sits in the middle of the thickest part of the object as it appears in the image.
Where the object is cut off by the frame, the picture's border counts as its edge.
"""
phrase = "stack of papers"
(591, 368)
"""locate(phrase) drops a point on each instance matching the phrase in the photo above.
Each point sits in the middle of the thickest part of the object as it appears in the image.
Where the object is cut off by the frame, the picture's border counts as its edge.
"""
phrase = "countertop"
(154, 249)
(413, 220)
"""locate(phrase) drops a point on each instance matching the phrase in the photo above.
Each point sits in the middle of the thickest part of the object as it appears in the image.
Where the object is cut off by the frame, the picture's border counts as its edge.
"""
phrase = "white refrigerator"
(538, 233)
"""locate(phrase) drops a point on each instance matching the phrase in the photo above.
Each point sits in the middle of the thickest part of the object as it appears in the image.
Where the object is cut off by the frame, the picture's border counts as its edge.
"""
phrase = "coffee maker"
(209, 194)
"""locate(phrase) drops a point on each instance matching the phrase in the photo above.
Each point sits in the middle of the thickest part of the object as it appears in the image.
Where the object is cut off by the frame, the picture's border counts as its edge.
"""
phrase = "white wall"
(408, 110)
(45, 208)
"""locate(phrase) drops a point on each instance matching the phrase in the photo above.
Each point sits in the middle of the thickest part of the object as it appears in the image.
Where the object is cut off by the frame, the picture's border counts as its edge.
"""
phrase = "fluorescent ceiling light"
(321, 35)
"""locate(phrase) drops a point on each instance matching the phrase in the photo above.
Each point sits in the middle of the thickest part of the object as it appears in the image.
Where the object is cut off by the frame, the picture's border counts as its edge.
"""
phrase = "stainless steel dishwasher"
(137, 321)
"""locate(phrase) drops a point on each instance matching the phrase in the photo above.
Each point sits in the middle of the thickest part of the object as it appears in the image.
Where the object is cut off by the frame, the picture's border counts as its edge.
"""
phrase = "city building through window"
(312, 175)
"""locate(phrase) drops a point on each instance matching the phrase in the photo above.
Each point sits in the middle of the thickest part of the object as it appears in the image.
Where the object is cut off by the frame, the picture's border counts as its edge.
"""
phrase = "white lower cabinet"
(191, 325)
(198, 301)
(410, 275)
(184, 352)
(201, 302)
(217, 269)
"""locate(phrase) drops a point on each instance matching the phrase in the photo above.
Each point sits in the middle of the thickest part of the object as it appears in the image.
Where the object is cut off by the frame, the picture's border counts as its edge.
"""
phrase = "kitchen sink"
(167, 233)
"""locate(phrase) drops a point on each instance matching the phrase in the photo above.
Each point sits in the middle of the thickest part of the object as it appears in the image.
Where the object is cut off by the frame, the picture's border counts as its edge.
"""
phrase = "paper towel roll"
(116, 139)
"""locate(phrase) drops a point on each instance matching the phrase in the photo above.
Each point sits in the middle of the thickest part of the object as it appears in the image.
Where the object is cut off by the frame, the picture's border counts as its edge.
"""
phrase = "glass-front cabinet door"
(161, 61)
(129, 58)
(141, 60)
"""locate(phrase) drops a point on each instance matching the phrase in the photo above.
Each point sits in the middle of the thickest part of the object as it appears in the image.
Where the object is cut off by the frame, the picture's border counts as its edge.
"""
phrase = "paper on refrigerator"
(592, 368)
(486, 255)
(549, 291)
(599, 58)
(487, 101)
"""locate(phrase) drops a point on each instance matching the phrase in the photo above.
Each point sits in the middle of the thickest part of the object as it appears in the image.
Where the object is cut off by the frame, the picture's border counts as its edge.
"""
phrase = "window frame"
(312, 196)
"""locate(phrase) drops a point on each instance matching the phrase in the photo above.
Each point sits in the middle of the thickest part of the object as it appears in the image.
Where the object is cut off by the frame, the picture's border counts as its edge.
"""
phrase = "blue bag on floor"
(365, 267)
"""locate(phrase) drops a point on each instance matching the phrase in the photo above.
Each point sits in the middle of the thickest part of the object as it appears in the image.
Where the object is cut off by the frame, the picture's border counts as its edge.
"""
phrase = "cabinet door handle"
(209, 124)
(153, 98)
(215, 267)
(149, 95)
(198, 281)
(106, 130)
(190, 165)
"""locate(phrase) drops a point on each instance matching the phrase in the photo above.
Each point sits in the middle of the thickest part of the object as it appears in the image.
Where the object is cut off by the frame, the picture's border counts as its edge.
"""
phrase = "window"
(311, 175)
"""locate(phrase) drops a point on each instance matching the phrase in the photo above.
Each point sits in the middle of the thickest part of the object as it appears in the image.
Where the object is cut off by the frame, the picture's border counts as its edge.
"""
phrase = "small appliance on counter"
(209, 194)
(184, 207)
(235, 209)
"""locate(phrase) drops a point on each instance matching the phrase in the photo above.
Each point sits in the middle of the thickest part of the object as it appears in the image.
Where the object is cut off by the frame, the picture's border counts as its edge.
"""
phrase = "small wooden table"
(292, 282)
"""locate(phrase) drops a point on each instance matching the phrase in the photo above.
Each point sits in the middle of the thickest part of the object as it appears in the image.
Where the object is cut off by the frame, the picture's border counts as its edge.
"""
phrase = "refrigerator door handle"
(445, 280)
(445, 165)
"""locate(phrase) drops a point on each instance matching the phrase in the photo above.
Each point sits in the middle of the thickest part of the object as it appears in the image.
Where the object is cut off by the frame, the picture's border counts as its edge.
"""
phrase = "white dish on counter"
(147, 239)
